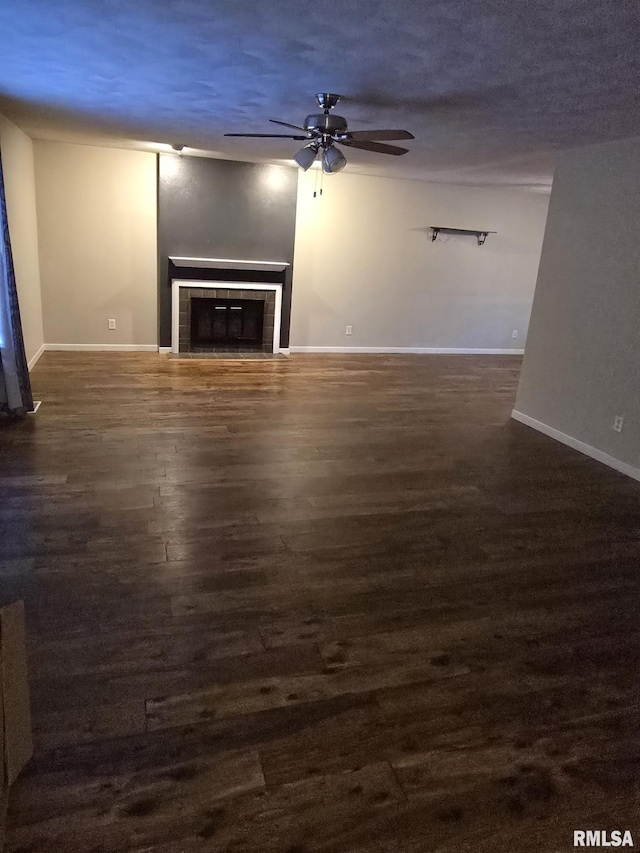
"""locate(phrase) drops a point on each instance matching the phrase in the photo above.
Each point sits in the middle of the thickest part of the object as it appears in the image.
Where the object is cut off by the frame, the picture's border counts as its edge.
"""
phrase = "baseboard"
(580, 446)
(35, 358)
(101, 347)
(283, 350)
(412, 350)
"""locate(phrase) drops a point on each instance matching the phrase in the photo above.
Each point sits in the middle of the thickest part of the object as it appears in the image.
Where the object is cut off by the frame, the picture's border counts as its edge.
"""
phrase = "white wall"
(363, 256)
(98, 247)
(17, 161)
(582, 363)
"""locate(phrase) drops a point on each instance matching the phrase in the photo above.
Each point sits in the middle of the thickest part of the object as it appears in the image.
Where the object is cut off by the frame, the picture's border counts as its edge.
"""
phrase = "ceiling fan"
(325, 129)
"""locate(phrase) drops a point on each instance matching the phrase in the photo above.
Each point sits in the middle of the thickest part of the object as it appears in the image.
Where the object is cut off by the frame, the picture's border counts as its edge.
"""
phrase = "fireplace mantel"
(229, 264)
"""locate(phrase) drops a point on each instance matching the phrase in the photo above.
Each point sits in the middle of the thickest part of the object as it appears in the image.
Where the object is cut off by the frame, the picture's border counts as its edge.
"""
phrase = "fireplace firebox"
(219, 319)
(227, 322)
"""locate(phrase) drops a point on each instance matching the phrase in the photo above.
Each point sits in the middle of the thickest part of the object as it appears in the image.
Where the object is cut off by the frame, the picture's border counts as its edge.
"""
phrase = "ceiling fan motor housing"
(326, 123)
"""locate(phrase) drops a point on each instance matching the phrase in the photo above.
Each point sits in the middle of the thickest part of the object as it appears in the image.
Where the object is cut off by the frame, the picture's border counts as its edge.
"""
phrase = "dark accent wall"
(224, 209)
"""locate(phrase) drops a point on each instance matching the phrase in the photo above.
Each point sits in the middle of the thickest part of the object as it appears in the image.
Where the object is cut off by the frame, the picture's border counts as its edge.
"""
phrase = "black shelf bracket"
(481, 235)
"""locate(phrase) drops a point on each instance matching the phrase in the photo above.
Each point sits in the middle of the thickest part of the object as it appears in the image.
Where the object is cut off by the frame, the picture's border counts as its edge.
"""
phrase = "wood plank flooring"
(316, 605)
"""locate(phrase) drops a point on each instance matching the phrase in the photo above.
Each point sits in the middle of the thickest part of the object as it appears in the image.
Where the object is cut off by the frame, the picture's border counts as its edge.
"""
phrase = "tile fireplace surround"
(184, 291)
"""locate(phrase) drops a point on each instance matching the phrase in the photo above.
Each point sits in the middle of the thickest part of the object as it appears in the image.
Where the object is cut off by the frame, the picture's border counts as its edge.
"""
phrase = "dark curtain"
(15, 388)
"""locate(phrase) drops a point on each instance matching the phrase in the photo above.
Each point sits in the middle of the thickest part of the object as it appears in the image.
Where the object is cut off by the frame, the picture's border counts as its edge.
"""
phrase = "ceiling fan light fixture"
(305, 157)
(333, 160)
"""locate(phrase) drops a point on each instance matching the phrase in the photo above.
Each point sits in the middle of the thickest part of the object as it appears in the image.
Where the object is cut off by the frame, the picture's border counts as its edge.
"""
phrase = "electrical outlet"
(514, 334)
(112, 325)
(349, 330)
(618, 423)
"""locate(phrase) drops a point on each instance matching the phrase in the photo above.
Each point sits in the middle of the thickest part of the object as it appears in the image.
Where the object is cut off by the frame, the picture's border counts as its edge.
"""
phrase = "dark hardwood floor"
(316, 605)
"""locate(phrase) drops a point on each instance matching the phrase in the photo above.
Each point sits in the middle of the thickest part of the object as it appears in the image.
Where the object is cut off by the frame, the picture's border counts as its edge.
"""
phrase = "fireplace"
(231, 323)
(223, 318)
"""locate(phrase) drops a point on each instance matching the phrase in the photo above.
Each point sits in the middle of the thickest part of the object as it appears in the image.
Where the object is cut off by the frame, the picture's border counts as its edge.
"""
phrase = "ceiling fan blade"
(286, 124)
(372, 135)
(378, 147)
(268, 135)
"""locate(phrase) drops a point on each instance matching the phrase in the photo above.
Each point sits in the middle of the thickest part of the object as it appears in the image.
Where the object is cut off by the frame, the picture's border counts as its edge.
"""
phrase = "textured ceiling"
(490, 89)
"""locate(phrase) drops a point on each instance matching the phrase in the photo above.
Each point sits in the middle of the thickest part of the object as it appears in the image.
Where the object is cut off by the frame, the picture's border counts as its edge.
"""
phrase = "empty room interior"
(319, 426)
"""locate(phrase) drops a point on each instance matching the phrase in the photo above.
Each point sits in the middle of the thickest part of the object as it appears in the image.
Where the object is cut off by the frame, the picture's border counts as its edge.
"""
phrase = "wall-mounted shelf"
(481, 235)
